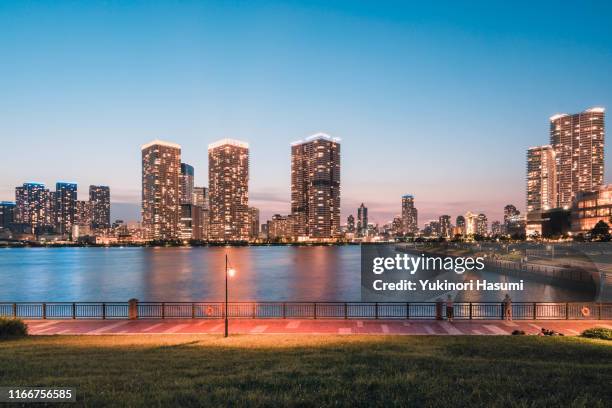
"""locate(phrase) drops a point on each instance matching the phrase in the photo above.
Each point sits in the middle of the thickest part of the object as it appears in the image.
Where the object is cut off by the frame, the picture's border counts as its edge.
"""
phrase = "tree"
(601, 231)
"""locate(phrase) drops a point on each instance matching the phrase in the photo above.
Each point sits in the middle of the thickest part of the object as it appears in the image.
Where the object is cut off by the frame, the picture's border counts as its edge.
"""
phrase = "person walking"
(450, 308)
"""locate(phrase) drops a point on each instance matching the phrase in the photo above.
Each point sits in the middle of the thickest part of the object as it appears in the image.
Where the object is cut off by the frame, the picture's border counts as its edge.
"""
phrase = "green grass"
(291, 370)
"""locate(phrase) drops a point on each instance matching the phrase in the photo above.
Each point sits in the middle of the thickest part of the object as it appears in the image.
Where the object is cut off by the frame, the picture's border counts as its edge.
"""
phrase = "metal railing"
(303, 310)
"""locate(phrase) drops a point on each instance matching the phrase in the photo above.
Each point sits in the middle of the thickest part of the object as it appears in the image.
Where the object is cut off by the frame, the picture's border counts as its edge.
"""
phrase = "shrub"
(12, 328)
(598, 333)
(518, 333)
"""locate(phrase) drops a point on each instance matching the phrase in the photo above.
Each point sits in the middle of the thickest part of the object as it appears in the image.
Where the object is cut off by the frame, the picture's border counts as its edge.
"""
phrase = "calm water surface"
(190, 274)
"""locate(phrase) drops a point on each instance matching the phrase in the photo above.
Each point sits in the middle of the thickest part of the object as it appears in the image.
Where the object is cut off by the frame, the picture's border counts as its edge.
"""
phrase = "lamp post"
(229, 271)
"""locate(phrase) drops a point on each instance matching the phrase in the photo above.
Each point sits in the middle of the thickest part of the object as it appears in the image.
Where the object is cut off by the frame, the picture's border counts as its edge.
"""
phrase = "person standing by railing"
(507, 307)
(450, 308)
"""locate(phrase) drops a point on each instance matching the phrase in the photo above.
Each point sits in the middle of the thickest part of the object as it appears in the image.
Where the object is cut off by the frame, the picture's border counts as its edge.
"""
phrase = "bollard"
(439, 305)
(133, 309)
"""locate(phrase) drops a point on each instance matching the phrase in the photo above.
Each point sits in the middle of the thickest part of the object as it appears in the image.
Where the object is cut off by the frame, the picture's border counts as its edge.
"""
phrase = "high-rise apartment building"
(253, 222)
(228, 181)
(7, 214)
(471, 223)
(460, 225)
(99, 202)
(445, 226)
(578, 142)
(362, 220)
(541, 179)
(161, 168)
(350, 224)
(315, 186)
(481, 225)
(83, 216)
(65, 206)
(35, 207)
(186, 181)
(201, 204)
(409, 215)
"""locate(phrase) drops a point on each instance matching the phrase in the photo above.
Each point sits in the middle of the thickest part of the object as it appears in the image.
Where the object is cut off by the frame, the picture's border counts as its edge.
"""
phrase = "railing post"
(503, 311)
(163, 310)
(74, 310)
(103, 311)
(284, 310)
(345, 311)
(470, 310)
(44, 311)
(599, 311)
(15, 310)
(535, 311)
(315, 310)
(253, 311)
(133, 309)
(376, 310)
(566, 311)
(407, 311)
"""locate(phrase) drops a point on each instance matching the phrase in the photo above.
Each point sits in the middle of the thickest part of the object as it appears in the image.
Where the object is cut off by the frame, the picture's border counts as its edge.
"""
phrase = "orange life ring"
(586, 312)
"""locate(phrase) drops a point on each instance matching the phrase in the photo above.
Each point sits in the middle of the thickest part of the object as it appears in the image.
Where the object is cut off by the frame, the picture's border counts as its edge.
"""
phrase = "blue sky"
(438, 100)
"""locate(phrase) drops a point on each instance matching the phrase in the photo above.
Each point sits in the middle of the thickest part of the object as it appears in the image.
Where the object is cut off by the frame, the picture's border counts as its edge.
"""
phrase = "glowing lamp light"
(231, 272)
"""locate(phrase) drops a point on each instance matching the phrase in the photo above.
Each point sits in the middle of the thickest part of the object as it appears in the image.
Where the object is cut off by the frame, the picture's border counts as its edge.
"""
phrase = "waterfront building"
(460, 225)
(280, 227)
(445, 226)
(201, 203)
(590, 207)
(350, 224)
(99, 201)
(471, 223)
(315, 186)
(34, 208)
(84, 213)
(362, 220)
(253, 223)
(186, 182)
(65, 207)
(7, 214)
(228, 181)
(541, 185)
(482, 225)
(161, 167)
(187, 230)
(578, 142)
(409, 215)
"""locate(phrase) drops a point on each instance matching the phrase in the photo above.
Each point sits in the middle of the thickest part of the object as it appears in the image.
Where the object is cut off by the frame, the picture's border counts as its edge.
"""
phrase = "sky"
(437, 100)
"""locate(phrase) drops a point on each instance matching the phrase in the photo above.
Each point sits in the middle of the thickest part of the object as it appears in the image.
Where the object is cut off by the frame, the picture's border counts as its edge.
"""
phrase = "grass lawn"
(302, 370)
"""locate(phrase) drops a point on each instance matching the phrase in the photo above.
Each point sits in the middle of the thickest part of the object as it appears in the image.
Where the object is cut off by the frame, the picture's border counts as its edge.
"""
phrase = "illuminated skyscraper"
(482, 225)
(471, 227)
(578, 142)
(65, 206)
(460, 225)
(315, 186)
(7, 214)
(350, 224)
(228, 181)
(83, 216)
(362, 220)
(445, 226)
(541, 179)
(253, 222)
(34, 207)
(186, 183)
(99, 201)
(161, 168)
(409, 215)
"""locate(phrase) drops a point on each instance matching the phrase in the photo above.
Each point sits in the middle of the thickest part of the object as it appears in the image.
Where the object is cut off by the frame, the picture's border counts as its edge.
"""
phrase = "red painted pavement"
(289, 326)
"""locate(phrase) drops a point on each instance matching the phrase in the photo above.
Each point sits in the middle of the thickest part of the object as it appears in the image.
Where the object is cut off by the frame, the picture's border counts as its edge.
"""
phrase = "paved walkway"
(262, 326)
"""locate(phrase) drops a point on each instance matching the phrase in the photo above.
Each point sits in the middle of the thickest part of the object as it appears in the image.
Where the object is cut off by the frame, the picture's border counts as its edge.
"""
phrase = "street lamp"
(229, 271)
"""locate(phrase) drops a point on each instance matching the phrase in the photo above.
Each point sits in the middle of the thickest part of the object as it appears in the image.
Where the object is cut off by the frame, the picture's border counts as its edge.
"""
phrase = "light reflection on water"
(280, 273)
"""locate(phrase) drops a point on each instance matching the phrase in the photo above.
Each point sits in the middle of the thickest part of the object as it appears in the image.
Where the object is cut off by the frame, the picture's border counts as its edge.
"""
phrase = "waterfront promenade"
(306, 327)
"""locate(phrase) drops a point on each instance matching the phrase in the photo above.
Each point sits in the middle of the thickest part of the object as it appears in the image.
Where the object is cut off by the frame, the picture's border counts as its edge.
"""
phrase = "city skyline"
(260, 73)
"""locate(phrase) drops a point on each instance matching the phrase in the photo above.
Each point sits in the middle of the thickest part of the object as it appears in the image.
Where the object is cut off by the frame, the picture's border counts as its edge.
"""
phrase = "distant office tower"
(65, 206)
(253, 222)
(84, 215)
(34, 207)
(541, 179)
(578, 141)
(409, 215)
(350, 224)
(228, 181)
(445, 226)
(362, 220)
(481, 225)
(200, 201)
(99, 201)
(7, 214)
(460, 224)
(161, 167)
(315, 186)
(186, 183)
